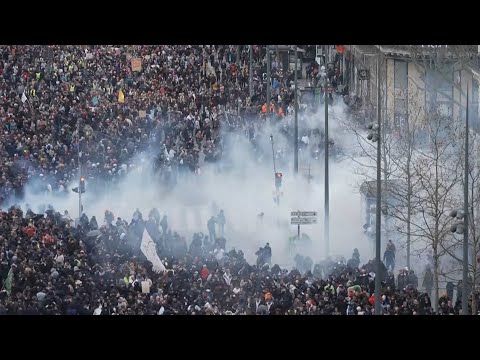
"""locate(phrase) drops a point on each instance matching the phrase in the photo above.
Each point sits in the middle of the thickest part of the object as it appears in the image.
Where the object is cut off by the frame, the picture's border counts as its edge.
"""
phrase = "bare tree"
(401, 201)
(438, 173)
(409, 154)
(454, 246)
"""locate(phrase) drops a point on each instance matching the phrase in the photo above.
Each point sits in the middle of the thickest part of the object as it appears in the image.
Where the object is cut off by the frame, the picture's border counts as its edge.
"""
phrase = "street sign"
(303, 220)
(303, 213)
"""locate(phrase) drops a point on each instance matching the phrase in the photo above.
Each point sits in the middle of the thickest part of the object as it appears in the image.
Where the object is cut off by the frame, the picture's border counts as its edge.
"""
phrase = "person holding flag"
(24, 97)
(121, 97)
(7, 285)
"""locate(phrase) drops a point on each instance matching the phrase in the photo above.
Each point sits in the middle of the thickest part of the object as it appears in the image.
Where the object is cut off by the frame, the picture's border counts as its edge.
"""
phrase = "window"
(439, 91)
(401, 75)
(401, 89)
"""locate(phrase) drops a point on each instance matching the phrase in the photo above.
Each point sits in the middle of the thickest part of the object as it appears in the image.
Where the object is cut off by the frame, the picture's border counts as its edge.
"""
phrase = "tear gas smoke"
(243, 189)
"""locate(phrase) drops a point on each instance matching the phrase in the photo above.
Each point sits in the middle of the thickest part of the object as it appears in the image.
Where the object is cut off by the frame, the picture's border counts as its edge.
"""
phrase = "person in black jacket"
(412, 279)
(449, 289)
(428, 281)
(389, 256)
(268, 253)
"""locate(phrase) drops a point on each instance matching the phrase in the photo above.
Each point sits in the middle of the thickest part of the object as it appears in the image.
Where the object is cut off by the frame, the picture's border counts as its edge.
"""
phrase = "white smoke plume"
(243, 192)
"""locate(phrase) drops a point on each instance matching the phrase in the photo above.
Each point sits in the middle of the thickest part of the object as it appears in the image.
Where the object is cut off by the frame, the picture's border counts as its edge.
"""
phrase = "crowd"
(105, 105)
(60, 101)
(49, 266)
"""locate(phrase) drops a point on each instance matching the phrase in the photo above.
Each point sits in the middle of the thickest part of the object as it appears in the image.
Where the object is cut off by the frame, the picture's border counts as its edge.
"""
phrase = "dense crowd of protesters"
(49, 266)
(62, 103)
(58, 103)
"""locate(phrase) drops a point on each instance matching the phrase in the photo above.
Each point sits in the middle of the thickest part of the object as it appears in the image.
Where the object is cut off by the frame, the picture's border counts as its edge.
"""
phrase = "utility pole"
(327, 185)
(79, 173)
(268, 82)
(237, 62)
(378, 280)
(295, 162)
(466, 287)
(273, 156)
(279, 63)
(250, 70)
(277, 188)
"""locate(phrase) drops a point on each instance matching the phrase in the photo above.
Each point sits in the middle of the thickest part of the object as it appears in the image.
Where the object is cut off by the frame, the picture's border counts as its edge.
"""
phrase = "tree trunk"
(409, 210)
(474, 275)
(435, 279)
(474, 280)
(473, 238)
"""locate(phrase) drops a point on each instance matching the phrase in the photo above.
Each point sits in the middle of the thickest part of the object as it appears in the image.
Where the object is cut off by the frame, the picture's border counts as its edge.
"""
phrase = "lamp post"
(465, 209)
(374, 136)
(79, 173)
(327, 183)
(273, 156)
(268, 82)
(296, 113)
(250, 72)
(461, 226)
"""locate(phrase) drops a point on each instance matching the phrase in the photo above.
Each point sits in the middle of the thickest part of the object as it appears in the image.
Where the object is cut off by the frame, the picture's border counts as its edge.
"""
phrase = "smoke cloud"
(243, 189)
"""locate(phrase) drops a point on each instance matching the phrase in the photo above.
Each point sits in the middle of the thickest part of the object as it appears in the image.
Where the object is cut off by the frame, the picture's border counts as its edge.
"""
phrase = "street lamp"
(295, 162)
(80, 181)
(269, 82)
(277, 176)
(250, 72)
(461, 227)
(465, 210)
(374, 136)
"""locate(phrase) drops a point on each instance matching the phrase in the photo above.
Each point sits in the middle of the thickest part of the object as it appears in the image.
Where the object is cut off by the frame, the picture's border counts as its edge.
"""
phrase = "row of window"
(439, 93)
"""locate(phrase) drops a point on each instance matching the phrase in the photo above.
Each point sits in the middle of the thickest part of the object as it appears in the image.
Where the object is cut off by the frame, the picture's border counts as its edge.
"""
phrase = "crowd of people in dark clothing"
(50, 266)
(59, 104)
(59, 101)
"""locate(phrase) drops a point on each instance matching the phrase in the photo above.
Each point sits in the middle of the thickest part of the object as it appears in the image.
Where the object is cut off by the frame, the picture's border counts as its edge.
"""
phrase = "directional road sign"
(303, 220)
(303, 213)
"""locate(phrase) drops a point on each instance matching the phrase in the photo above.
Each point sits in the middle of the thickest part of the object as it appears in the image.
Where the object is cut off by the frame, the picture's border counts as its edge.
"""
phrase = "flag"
(149, 250)
(24, 97)
(8, 282)
(121, 97)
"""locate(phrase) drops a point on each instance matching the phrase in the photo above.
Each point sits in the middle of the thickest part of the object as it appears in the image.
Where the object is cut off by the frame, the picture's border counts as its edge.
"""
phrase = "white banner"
(149, 250)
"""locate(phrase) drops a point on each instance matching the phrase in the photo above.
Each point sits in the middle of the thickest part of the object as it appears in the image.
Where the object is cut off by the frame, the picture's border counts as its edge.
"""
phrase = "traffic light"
(278, 180)
(82, 186)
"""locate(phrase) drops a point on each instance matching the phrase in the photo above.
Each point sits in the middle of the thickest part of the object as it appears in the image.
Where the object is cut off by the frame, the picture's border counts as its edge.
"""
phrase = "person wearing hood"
(389, 256)
(428, 282)
(93, 225)
(164, 224)
(221, 222)
(211, 228)
(267, 251)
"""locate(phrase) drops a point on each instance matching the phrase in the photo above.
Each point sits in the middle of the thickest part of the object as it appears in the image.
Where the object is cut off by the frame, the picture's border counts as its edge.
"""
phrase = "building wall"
(416, 93)
(390, 101)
